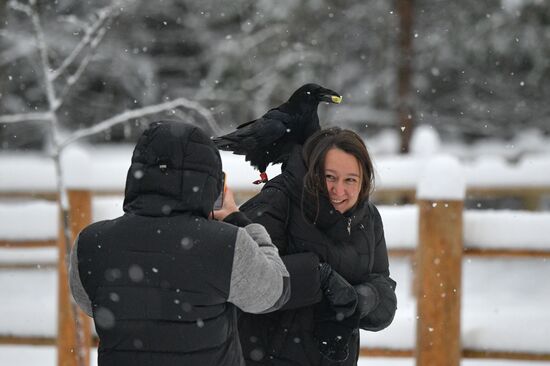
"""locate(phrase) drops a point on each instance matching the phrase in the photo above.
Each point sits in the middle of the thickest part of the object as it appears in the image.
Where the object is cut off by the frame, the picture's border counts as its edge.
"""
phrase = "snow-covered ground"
(45, 356)
(504, 300)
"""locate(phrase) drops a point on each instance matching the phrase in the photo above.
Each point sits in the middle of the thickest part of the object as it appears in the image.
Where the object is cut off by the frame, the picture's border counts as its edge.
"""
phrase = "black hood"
(175, 168)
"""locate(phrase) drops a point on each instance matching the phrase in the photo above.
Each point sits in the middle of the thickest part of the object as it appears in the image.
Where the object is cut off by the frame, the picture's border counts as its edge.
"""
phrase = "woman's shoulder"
(374, 214)
(370, 212)
(273, 194)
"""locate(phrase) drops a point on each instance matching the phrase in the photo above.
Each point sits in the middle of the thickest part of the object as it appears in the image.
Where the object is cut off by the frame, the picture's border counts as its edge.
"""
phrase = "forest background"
(470, 69)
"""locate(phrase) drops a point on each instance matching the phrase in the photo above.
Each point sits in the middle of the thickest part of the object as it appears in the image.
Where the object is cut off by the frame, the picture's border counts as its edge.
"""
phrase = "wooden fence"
(441, 343)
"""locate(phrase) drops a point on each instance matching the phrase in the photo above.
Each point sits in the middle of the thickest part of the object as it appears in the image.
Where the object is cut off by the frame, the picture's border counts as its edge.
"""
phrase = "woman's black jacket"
(353, 245)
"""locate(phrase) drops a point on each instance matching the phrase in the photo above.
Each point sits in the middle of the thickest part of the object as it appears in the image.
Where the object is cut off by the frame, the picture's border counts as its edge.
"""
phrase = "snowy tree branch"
(71, 80)
(89, 39)
(22, 117)
(16, 5)
(43, 51)
(246, 44)
(282, 63)
(141, 112)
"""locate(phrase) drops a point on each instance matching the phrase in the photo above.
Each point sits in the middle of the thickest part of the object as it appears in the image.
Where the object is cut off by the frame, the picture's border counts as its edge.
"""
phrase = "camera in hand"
(218, 203)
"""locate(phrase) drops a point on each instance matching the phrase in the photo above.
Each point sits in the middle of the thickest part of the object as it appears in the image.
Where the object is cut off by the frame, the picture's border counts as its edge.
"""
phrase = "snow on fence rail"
(484, 230)
(103, 169)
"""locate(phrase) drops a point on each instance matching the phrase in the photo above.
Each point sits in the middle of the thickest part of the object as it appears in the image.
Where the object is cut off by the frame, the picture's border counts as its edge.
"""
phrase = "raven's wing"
(254, 135)
(269, 114)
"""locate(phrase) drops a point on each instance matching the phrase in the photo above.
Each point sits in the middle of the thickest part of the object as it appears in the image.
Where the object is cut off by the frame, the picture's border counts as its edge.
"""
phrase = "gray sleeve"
(259, 279)
(77, 290)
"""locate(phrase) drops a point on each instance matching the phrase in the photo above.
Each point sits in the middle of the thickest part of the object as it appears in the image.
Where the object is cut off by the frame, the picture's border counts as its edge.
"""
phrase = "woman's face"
(343, 177)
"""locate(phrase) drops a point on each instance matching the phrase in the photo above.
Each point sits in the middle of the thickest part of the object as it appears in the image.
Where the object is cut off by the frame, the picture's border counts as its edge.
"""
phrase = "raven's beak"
(331, 98)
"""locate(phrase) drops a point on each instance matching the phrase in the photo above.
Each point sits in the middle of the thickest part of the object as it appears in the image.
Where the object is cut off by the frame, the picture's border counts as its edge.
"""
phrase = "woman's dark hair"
(315, 152)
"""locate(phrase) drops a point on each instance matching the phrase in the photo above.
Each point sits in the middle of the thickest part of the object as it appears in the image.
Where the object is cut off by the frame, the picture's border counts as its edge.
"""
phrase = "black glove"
(333, 334)
(367, 298)
(382, 315)
(340, 295)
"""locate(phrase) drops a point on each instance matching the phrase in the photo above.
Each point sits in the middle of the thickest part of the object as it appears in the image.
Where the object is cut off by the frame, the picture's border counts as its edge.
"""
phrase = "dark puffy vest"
(159, 276)
(159, 288)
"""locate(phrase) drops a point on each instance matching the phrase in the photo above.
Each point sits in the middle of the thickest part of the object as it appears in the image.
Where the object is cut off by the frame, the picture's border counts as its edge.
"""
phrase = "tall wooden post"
(405, 11)
(73, 326)
(439, 264)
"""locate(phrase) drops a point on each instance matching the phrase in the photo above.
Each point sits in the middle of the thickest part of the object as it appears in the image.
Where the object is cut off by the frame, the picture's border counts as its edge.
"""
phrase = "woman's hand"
(228, 207)
(339, 293)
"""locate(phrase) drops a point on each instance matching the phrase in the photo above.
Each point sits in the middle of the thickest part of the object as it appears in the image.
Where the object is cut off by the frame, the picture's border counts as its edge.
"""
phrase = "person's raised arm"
(259, 280)
(75, 284)
(270, 208)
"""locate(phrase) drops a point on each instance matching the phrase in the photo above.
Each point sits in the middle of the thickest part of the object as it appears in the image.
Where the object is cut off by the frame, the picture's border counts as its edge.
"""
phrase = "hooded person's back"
(159, 278)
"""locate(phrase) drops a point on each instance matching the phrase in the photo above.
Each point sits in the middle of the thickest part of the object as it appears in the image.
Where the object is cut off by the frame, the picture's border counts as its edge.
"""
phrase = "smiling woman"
(331, 239)
(342, 173)
(340, 168)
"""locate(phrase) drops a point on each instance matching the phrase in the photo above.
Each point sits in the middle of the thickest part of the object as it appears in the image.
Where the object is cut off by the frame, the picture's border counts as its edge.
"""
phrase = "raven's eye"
(308, 93)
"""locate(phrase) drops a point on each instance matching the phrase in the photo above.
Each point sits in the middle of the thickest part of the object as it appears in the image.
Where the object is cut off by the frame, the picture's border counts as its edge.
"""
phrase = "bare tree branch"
(16, 5)
(141, 112)
(221, 64)
(22, 117)
(46, 68)
(103, 15)
(71, 80)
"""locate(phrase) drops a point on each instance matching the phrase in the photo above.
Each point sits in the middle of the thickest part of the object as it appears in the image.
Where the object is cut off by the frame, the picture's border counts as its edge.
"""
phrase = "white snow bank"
(400, 225)
(26, 172)
(425, 141)
(404, 172)
(29, 302)
(398, 172)
(33, 256)
(488, 229)
(28, 220)
(38, 220)
(498, 296)
(507, 229)
(502, 297)
(107, 207)
(495, 171)
(387, 142)
(77, 166)
(442, 179)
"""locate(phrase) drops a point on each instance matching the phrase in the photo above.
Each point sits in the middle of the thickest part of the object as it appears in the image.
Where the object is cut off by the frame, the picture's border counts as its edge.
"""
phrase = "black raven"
(269, 139)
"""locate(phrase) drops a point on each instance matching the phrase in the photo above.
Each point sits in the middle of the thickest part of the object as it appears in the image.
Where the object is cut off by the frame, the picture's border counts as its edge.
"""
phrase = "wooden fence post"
(72, 338)
(439, 263)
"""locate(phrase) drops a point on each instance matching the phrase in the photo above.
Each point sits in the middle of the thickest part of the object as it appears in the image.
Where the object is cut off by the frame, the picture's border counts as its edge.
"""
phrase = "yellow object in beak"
(336, 99)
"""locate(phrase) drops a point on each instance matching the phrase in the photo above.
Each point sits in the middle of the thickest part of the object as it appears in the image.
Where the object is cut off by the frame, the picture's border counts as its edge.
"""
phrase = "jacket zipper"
(349, 226)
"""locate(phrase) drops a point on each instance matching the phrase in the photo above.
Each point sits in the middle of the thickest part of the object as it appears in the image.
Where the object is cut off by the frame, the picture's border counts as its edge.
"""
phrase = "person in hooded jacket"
(163, 281)
(331, 239)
